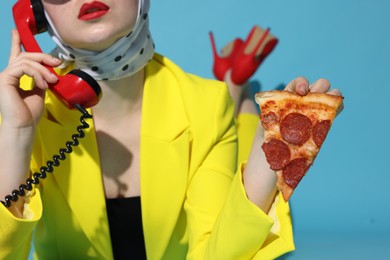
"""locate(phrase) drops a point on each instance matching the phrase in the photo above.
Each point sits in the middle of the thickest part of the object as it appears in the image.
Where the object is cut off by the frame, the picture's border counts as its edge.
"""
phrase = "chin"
(101, 40)
(95, 42)
(97, 45)
(96, 37)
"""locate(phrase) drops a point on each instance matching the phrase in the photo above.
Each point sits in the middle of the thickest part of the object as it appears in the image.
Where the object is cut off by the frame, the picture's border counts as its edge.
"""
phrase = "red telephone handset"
(76, 87)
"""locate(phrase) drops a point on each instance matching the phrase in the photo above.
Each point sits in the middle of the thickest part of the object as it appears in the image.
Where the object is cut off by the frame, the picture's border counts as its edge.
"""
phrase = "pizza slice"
(295, 127)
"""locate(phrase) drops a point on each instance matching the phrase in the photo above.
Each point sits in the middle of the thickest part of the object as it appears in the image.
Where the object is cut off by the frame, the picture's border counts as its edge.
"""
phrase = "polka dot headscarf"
(125, 57)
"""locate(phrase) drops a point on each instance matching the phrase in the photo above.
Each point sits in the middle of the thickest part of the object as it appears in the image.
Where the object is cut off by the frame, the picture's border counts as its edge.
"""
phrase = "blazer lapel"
(165, 148)
(79, 177)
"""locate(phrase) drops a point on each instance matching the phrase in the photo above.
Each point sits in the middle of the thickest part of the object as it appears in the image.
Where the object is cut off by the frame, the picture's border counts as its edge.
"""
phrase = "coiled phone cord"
(50, 163)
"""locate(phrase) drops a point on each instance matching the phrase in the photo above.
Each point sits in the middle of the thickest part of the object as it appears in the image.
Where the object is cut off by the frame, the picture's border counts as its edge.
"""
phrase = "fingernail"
(303, 88)
(45, 85)
(336, 92)
(53, 76)
(57, 60)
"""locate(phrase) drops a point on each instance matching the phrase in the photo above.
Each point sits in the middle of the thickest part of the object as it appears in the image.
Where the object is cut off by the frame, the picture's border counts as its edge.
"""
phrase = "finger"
(38, 66)
(36, 61)
(41, 75)
(335, 92)
(38, 57)
(299, 85)
(48, 59)
(321, 85)
(39, 80)
(15, 46)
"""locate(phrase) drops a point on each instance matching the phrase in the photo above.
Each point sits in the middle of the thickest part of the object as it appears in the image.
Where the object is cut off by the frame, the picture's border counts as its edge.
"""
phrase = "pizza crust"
(332, 101)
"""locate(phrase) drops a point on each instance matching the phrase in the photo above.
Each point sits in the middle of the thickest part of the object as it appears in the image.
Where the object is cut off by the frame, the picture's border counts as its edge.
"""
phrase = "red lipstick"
(91, 11)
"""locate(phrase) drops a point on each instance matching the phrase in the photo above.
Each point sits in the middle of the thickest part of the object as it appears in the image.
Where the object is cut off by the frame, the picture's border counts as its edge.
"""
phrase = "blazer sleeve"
(222, 222)
(16, 233)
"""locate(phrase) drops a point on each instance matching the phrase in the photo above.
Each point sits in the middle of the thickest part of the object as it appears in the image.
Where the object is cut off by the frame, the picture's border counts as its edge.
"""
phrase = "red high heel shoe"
(248, 59)
(223, 62)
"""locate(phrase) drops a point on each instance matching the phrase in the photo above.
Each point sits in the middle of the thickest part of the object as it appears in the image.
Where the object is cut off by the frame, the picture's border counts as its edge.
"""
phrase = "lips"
(91, 11)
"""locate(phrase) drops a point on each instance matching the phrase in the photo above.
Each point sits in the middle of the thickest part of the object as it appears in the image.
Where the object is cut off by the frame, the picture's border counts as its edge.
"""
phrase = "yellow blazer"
(193, 205)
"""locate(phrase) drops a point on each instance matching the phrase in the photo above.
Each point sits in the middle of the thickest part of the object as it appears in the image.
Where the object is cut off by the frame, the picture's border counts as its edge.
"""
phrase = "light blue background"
(341, 210)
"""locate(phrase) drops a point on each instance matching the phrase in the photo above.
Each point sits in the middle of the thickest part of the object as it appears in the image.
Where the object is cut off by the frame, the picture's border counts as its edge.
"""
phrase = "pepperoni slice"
(296, 128)
(320, 131)
(294, 171)
(277, 154)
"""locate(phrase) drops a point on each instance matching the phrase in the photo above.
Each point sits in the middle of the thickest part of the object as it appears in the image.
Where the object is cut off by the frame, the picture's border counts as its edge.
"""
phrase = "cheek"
(126, 12)
(122, 24)
(60, 16)
(65, 29)
(125, 25)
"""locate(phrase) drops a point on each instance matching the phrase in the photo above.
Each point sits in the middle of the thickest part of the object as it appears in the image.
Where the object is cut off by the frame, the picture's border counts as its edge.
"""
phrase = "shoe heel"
(221, 63)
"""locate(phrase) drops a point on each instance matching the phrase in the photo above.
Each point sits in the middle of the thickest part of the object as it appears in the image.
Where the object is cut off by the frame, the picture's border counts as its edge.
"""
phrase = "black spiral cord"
(49, 164)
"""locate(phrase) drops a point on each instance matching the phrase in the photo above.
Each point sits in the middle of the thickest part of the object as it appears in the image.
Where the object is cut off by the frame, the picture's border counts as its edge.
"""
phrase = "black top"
(125, 223)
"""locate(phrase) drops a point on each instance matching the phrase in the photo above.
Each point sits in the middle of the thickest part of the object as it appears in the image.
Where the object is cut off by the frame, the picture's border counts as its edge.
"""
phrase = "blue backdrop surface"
(341, 208)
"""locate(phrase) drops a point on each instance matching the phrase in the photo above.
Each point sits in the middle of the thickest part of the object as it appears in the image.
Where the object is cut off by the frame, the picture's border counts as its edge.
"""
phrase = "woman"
(162, 145)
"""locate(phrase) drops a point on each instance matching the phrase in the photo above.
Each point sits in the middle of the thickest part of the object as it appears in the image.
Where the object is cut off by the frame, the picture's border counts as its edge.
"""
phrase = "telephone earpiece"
(74, 88)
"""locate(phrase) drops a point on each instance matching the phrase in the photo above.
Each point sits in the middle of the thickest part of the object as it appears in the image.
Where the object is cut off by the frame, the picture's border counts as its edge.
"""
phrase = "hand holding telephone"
(76, 87)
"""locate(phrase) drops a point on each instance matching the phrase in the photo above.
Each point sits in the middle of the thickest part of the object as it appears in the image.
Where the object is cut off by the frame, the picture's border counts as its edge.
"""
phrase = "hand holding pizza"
(301, 86)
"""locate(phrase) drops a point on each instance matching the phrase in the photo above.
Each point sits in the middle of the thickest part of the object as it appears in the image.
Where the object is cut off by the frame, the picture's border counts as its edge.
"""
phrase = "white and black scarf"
(125, 57)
